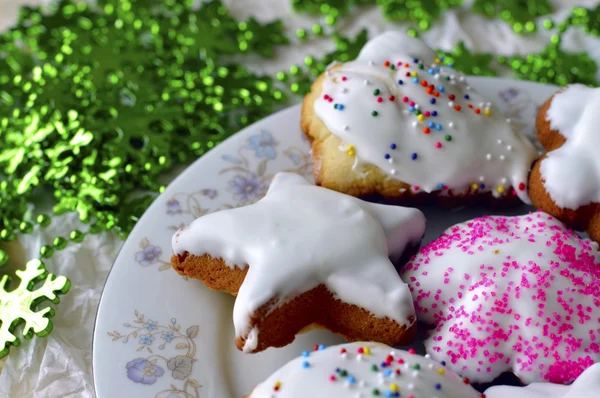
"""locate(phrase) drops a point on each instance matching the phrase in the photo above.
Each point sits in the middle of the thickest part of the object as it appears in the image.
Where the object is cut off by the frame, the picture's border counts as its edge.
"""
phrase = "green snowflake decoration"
(423, 12)
(300, 77)
(462, 59)
(520, 14)
(86, 107)
(331, 9)
(589, 20)
(21, 305)
(553, 65)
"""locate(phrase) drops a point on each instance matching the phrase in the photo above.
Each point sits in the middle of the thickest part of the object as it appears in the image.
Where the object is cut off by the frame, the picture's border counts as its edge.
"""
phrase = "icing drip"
(416, 119)
(571, 173)
(587, 385)
(362, 370)
(300, 236)
(517, 294)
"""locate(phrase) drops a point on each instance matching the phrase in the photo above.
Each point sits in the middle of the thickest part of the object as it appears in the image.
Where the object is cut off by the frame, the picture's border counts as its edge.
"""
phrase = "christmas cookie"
(306, 255)
(566, 181)
(398, 122)
(363, 370)
(587, 385)
(510, 294)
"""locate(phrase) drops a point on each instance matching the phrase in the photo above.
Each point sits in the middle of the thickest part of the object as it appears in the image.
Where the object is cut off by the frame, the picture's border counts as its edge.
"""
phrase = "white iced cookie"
(398, 107)
(587, 385)
(510, 294)
(363, 370)
(300, 237)
(571, 173)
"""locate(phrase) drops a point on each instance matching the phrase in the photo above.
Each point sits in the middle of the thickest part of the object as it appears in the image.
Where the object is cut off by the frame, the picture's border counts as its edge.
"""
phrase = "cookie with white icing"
(363, 370)
(306, 255)
(587, 385)
(400, 123)
(510, 294)
(566, 181)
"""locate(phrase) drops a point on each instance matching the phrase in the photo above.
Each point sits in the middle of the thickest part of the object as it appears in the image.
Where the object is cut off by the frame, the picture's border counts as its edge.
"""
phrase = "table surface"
(60, 365)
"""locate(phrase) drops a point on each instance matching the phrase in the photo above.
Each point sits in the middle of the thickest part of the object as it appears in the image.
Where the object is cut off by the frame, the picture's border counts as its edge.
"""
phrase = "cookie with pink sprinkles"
(510, 294)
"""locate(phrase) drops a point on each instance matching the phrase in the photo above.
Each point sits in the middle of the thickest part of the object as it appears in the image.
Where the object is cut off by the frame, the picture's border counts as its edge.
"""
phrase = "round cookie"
(399, 123)
(587, 385)
(306, 255)
(566, 181)
(363, 370)
(510, 294)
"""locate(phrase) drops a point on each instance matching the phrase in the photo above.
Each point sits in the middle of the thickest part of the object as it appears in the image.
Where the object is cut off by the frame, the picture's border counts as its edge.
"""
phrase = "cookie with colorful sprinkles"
(587, 385)
(510, 294)
(566, 181)
(363, 370)
(305, 255)
(400, 123)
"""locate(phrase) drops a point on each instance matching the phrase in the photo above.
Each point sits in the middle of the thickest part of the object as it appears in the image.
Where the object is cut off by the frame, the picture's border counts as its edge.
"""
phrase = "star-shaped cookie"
(305, 255)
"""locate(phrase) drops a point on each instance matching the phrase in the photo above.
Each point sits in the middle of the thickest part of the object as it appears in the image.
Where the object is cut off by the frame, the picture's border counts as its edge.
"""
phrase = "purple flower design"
(140, 370)
(148, 256)
(263, 145)
(174, 207)
(247, 188)
(209, 193)
(509, 94)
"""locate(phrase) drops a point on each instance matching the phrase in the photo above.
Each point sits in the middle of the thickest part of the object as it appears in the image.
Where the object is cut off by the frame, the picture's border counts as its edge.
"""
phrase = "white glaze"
(299, 236)
(473, 150)
(298, 381)
(571, 173)
(587, 385)
(518, 294)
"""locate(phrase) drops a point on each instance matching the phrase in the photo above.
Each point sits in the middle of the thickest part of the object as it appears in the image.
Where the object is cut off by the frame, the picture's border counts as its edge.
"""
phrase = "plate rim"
(211, 153)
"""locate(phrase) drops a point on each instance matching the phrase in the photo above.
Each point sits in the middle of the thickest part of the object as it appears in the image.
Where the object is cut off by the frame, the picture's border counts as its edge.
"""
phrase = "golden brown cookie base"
(212, 271)
(332, 169)
(278, 327)
(585, 218)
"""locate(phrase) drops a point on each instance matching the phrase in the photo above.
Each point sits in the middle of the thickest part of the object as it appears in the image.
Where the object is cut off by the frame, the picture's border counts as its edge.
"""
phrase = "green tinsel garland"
(99, 101)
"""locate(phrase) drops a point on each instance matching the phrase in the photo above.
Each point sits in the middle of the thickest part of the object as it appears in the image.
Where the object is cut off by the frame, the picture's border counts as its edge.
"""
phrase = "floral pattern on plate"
(156, 339)
(150, 254)
(248, 177)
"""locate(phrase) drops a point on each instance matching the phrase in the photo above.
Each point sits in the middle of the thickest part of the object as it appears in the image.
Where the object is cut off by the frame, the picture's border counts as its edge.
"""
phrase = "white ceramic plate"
(160, 335)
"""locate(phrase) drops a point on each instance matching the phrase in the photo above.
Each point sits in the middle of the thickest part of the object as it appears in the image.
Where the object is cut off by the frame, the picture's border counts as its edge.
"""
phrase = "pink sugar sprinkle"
(379, 99)
(405, 99)
(535, 308)
(427, 114)
(344, 78)
(438, 144)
